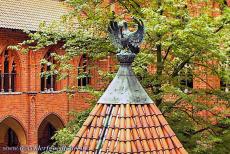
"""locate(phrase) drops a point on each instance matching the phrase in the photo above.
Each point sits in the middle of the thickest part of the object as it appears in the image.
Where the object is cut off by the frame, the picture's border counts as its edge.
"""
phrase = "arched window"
(186, 79)
(12, 134)
(83, 72)
(8, 72)
(48, 82)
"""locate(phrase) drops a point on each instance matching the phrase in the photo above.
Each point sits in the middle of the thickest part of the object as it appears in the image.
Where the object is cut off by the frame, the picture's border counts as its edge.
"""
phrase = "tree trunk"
(158, 75)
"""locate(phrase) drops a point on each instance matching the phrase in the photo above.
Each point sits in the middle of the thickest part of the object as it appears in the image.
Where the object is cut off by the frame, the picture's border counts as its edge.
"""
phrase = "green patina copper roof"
(125, 87)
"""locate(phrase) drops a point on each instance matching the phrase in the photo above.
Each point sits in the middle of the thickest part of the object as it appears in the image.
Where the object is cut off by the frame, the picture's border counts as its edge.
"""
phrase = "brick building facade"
(31, 107)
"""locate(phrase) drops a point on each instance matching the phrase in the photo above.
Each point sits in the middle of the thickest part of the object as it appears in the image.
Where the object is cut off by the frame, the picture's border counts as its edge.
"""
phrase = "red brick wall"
(29, 108)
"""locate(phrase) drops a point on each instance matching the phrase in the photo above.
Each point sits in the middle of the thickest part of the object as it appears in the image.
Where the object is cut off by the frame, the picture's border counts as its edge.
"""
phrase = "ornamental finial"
(126, 57)
(125, 40)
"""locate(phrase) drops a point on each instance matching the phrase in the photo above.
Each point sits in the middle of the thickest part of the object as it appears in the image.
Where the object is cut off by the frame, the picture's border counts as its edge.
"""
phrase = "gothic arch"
(48, 126)
(48, 83)
(10, 122)
(53, 48)
(15, 53)
(10, 69)
(52, 115)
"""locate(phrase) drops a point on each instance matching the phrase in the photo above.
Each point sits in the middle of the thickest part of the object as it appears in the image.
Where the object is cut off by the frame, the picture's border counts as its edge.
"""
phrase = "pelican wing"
(137, 37)
(115, 34)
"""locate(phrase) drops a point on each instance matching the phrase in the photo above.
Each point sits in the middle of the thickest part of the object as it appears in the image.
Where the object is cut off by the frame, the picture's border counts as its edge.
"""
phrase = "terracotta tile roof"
(125, 120)
(126, 128)
(28, 14)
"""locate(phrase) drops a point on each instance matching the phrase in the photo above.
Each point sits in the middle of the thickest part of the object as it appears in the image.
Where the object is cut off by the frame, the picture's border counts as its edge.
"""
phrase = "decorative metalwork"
(124, 39)
(126, 57)
(125, 87)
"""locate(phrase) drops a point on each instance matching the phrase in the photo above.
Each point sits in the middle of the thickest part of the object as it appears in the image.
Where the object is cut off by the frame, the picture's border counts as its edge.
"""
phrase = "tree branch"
(177, 70)
(172, 105)
(221, 27)
(167, 52)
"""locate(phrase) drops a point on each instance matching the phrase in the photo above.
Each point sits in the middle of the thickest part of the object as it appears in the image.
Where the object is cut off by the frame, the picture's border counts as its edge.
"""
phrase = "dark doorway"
(45, 136)
(47, 130)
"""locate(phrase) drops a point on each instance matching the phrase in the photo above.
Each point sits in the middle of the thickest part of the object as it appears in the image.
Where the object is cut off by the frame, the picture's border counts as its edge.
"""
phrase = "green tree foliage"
(181, 44)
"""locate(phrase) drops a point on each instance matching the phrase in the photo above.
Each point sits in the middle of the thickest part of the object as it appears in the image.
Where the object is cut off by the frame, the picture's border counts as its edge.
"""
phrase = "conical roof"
(125, 87)
(125, 120)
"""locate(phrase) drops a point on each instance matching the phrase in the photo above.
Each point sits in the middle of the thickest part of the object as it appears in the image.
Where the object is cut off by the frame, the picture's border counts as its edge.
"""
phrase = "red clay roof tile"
(131, 129)
(28, 14)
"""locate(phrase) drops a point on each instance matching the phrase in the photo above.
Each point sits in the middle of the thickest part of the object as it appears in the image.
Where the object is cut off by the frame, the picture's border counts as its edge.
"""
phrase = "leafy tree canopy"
(184, 41)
